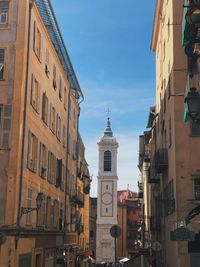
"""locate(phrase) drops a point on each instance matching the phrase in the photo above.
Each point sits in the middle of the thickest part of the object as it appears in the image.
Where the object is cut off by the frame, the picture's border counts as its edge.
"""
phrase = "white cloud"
(127, 160)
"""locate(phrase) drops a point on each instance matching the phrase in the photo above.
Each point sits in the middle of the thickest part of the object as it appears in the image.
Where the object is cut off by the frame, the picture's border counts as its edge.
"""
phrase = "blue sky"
(109, 45)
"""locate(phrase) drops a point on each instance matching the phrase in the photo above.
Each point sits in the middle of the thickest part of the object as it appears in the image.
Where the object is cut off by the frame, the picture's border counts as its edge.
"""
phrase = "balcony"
(161, 160)
(77, 197)
(153, 177)
(155, 223)
(86, 186)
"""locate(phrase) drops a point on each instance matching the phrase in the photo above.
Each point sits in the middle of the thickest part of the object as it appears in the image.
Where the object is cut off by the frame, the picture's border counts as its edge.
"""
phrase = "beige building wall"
(172, 132)
(23, 73)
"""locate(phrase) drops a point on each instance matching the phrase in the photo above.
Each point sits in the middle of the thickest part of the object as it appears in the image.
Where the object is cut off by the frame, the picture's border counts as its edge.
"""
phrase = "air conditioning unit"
(3, 18)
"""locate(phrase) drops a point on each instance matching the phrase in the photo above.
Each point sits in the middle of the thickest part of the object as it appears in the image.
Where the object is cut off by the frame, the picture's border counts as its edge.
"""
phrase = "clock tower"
(107, 196)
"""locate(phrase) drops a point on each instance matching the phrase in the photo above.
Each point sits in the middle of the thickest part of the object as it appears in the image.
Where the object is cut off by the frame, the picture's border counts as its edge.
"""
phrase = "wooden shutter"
(48, 212)
(49, 167)
(56, 213)
(41, 159)
(35, 153)
(6, 126)
(29, 157)
(34, 36)
(59, 173)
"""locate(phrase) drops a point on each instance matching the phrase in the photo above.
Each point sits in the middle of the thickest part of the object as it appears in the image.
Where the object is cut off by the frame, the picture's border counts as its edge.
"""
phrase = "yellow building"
(169, 150)
(39, 117)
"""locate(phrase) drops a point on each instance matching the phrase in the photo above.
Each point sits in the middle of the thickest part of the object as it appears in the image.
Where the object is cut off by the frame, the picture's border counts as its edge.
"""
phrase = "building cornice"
(156, 24)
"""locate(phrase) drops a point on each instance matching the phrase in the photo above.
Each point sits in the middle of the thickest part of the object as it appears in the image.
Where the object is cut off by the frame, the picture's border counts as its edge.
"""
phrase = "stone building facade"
(39, 118)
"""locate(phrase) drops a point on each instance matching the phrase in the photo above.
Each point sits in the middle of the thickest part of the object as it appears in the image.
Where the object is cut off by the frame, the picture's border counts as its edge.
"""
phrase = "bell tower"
(107, 195)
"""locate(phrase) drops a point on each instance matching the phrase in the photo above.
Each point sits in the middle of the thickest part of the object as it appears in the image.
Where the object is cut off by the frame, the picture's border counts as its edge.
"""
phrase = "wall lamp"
(39, 200)
(193, 103)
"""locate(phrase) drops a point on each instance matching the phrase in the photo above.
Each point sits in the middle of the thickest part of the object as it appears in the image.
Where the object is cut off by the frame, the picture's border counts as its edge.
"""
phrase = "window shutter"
(38, 99)
(36, 153)
(56, 213)
(6, 126)
(40, 159)
(34, 36)
(32, 89)
(49, 167)
(43, 106)
(46, 109)
(48, 215)
(59, 173)
(29, 159)
(50, 116)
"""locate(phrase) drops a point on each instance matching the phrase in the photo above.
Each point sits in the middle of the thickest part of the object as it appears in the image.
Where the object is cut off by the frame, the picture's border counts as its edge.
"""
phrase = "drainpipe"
(24, 118)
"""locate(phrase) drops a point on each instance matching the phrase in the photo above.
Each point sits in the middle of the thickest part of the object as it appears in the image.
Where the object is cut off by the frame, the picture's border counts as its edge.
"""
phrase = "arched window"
(107, 161)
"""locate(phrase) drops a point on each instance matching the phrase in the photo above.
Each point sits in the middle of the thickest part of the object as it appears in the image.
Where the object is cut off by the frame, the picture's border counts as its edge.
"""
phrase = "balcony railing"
(77, 197)
(155, 223)
(153, 177)
(161, 160)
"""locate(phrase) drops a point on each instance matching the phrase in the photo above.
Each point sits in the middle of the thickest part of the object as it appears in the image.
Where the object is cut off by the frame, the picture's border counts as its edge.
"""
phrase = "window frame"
(107, 160)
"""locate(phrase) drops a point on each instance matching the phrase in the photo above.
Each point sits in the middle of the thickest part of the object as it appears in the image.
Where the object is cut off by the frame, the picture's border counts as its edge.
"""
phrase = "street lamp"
(39, 200)
(193, 103)
(193, 15)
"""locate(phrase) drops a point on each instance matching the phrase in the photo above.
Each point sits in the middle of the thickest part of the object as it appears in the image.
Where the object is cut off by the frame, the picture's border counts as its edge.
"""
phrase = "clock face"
(107, 198)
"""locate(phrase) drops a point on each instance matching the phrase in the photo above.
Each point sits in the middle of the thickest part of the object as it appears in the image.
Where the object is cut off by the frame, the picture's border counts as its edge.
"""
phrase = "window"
(74, 150)
(45, 108)
(56, 214)
(5, 125)
(37, 42)
(35, 94)
(92, 234)
(64, 136)
(48, 213)
(195, 127)
(60, 89)
(58, 130)
(106, 187)
(107, 161)
(47, 63)
(29, 200)
(170, 131)
(59, 173)
(51, 168)
(197, 188)
(52, 119)
(54, 77)
(65, 98)
(4, 12)
(41, 213)
(32, 152)
(43, 161)
(74, 120)
(62, 186)
(2, 63)
(169, 201)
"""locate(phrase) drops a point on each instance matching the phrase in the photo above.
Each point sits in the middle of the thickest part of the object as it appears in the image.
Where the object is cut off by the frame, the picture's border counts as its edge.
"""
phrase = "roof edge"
(157, 15)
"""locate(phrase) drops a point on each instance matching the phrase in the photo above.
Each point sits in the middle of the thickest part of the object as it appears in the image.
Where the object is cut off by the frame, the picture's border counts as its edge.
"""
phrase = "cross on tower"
(108, 112)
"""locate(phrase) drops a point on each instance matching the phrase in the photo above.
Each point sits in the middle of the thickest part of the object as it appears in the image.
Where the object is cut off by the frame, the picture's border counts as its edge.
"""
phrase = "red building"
(129, 218)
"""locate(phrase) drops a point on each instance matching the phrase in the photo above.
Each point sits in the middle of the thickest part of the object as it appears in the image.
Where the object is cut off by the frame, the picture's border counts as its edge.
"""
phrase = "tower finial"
(108, 112)
(108, 131)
